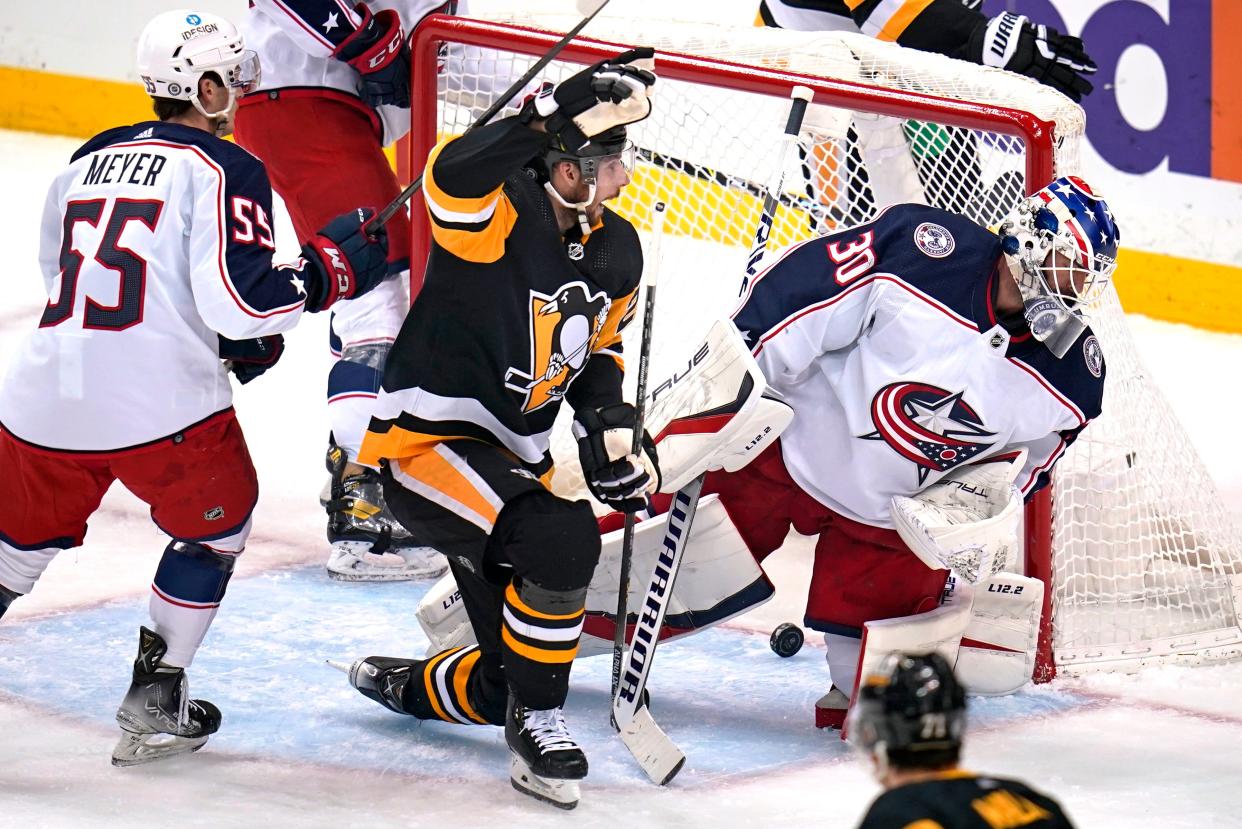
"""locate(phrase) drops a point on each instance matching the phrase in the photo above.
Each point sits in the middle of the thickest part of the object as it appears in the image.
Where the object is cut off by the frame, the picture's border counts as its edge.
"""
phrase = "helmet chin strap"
(580, 207)
(220, 121)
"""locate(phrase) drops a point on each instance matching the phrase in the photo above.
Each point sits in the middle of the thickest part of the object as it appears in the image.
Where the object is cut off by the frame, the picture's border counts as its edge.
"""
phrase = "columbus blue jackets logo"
(934, 240)
(563, 330)
(935, 429)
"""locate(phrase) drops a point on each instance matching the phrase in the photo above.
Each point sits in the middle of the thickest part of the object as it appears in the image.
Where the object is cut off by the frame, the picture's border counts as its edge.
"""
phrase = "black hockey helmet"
(611, 142)
(912, 712)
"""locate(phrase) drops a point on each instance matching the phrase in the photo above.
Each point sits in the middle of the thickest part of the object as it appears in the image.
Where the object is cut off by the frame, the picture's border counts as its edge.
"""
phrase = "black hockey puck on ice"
(787, 639)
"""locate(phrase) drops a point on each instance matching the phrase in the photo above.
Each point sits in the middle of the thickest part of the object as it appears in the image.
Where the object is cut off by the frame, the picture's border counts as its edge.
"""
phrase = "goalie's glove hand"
(609, 94)
(1012, 42)
(380, 52)
(345, 259)
(616, 477)
(248, 359)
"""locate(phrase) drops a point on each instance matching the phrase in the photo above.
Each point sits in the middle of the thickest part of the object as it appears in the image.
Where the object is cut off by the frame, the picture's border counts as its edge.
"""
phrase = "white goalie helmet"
(178, 47)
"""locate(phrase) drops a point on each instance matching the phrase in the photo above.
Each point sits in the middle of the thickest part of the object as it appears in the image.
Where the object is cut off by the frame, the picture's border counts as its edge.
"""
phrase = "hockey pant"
(522, 558)
(322, 151)
(200, 485)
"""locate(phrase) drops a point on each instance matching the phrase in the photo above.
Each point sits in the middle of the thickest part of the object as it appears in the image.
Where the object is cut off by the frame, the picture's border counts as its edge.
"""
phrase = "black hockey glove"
(609, 94)
(248, 359)
(343, 261)
(615, 477)
(380, 52)
(1012, 42)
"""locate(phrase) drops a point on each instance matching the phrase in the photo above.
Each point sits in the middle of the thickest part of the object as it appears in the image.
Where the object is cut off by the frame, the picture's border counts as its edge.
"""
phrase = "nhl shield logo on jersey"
(934, 240)
(1093, 355)
(934, 428)
(575, 250)
(563, 329)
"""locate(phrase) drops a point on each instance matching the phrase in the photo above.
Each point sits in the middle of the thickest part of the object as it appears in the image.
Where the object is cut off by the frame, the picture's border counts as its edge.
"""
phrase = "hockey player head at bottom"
(909, 721)
(1060, 246)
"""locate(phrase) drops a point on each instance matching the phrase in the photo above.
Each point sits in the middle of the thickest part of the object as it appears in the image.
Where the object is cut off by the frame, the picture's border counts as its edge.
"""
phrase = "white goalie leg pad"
(938, 630)
(718, 580)
(997, 655)
(442, 615)
(711, 413)
(718, 577)
(970, 522)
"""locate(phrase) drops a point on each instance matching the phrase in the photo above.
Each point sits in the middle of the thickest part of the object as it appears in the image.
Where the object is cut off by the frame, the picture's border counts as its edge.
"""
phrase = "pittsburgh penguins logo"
(563, 330)
(927, 425)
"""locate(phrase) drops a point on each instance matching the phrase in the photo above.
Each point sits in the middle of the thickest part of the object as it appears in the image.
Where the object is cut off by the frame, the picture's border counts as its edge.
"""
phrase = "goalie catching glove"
(616, 477)
(968, 522)
(612, 93)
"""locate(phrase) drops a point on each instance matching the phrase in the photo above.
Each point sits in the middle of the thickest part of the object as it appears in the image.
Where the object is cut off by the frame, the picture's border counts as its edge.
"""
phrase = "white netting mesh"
(1145, 560)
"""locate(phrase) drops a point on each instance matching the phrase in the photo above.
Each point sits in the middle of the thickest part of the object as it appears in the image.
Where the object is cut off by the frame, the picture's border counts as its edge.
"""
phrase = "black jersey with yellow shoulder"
(961, 800)
(942, 26)
(511, 310)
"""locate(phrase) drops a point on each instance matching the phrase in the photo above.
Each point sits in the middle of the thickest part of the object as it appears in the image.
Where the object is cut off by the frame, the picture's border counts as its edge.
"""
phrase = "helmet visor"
(244, 76)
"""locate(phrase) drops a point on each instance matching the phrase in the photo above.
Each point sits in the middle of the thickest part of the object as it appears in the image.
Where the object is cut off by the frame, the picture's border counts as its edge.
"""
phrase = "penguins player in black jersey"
(909, 719)
(529, 283)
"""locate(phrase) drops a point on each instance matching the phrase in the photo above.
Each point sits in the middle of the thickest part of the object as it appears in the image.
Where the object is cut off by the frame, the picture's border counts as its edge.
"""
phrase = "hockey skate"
(157, 717)
(7, 598)
(381, 678)
(830, 709)
(546, 763)
(368, 544)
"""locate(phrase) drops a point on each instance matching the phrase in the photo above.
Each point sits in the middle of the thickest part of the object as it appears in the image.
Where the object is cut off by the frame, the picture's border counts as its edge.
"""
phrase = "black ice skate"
(368, 544)
(381, 678)
(546, 762)
(157, 717)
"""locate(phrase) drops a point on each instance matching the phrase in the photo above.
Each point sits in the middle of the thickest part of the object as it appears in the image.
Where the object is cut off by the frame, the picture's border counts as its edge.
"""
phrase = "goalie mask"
(177, 48)
(609, 147)
(911, 713)
(1061, 245)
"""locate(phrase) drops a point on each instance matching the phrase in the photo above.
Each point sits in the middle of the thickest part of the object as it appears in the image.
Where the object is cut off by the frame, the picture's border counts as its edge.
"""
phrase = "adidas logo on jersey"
(147, 133)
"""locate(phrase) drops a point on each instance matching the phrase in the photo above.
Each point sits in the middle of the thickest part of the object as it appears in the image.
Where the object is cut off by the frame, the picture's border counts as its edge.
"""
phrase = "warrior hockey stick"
(640, 408)
(414, 186)
(797, 110)
(658, 756)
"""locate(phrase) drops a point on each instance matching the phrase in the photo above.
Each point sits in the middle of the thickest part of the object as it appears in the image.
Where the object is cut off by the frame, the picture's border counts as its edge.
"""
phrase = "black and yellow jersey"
(942, 26)
(961, 800)
(511, 310)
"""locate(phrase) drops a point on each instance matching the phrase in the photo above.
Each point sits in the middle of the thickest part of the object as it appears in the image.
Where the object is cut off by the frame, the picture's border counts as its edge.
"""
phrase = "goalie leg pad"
(998, 648)
(711, 414)
(717, 580)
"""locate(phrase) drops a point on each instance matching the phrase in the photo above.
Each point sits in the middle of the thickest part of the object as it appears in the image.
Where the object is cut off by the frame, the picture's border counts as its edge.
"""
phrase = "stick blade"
(658, 756)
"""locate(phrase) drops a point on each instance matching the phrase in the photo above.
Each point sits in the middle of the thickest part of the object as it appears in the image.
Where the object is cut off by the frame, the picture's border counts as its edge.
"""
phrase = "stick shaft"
(650, 275)
(797, 111)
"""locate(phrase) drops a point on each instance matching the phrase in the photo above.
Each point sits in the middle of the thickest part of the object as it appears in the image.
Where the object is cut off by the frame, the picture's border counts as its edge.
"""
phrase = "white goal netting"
(1146, 562)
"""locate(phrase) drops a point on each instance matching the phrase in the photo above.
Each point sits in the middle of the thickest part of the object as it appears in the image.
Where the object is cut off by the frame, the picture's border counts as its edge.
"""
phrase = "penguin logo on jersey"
(934, 428)
(563, 330)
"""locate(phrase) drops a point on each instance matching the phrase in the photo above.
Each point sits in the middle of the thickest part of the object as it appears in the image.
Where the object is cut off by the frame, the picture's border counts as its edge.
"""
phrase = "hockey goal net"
(1141, 558)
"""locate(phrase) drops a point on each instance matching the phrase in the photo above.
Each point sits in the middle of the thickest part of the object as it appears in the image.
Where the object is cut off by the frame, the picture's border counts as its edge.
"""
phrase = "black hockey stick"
(650, 274)
(797, 110)
(414, 186)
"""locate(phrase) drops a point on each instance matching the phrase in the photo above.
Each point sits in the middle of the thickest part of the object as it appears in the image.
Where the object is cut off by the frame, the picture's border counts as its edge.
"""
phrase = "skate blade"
(137, 749)
(343, 667)
(393, 574)
(563, 794)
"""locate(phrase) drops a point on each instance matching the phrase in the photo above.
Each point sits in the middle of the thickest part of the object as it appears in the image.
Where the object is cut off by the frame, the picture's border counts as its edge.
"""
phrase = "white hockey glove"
(968, 522)
(609, 94)
(615, 477)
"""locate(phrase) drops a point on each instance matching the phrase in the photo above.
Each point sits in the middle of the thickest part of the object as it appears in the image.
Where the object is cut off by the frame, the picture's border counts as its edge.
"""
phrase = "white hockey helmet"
(178, 47)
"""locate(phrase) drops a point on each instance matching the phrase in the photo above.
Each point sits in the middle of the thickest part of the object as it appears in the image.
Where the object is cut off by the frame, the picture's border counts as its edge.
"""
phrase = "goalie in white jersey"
(929, 363)
(156, 251)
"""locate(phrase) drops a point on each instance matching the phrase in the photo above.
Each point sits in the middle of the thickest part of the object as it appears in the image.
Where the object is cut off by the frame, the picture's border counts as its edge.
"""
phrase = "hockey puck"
(787, 639)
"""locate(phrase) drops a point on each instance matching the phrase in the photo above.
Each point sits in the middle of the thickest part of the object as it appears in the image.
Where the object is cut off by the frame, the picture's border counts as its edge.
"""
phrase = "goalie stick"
(650, 274)
(801, 96)
(590, 8)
